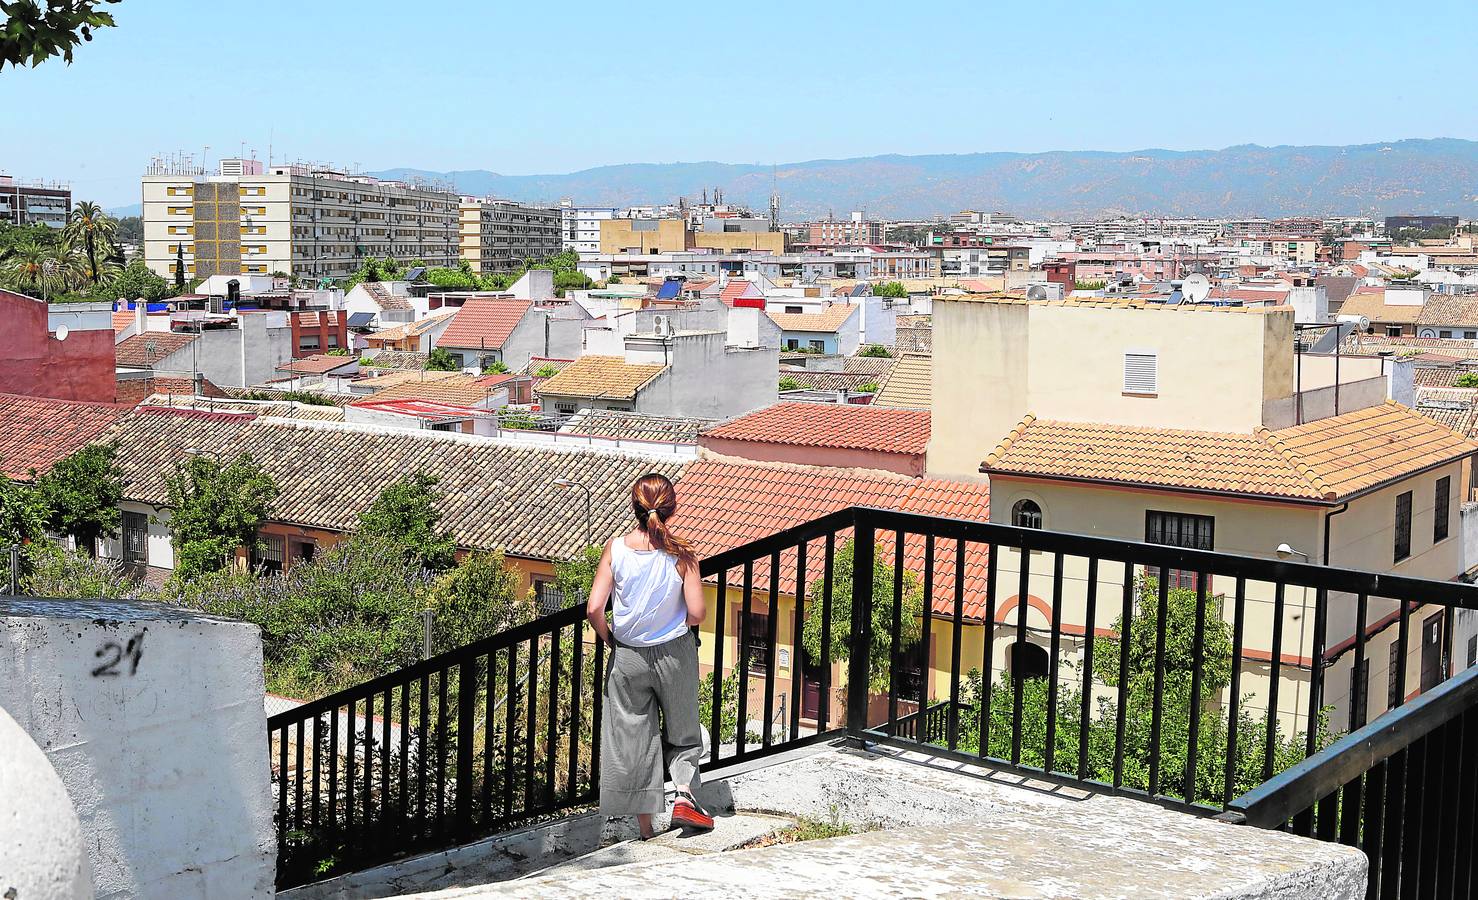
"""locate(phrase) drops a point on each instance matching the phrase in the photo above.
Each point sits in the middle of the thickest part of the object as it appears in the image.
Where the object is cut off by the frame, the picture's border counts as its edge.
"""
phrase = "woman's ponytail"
(654, 500)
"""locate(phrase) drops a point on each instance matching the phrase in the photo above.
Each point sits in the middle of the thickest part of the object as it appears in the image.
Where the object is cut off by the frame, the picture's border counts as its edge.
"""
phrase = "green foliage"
(55, 572)
(130, 230)
(877, 351)
(135, 281)
(1090, 285)
(22, 514)
(1216, 669)
(546, 371)
(573, 577)
(441, 360)
(92, 230)
(498, 367)
(81, 495)
(788, 383)
(893, 289)
(336, 351)
(32, 33)
(477, 599)
(910, 618)
(1467, 380)
(370, 362)
(868, 387)
(614, 279)
(308, 397)
(405, 512)
(517, 418)
(728, 722)
(215, 510)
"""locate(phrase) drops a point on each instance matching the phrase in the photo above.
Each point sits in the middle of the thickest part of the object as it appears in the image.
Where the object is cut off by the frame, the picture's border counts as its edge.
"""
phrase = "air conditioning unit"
(662, 326)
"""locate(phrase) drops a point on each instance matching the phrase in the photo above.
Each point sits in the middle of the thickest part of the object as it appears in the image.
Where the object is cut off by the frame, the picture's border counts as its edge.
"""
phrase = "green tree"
(893, 289)
(1467, 380)
(81, 494)
(875, 350)
(880, 647)
(440, 359)
(497, 367)
(89, 228)
(477, 599)
(546, 371)
(216, 509)
(179, 268)
(23, 514)
(728, 722)
(574, 576)
(788, 383)
(32, 33)
(67, 574)
(130, 230)
(405, 512)
(134, 281)
(868, 387)
(34, 268)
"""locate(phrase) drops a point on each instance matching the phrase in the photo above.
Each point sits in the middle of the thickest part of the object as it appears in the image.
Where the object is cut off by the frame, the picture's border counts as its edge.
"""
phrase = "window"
(1393, 690)
(1440, 511)
(1026, 514)
(818, 346)
(135, 538)
(1141, 372)
(266, 556)
(757, 650)
(1470, 335)
(1179, 530)
(1445, 333)
(308, 342)
(912, 663)
(794, 309)
(548, 597)
(792, 344)
(1359, 690)
(1393, 331)
(1403, 526)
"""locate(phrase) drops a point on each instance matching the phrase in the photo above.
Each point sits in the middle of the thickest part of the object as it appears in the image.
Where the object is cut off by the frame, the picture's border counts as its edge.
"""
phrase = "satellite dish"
(61, 332)
(1196, 288)
(1036, 292)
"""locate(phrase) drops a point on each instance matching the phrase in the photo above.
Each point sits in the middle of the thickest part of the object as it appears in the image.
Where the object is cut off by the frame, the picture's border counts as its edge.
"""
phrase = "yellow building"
(643, 236)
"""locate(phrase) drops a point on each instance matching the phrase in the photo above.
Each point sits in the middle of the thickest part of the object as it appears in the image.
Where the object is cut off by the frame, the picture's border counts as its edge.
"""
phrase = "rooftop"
(1449, 310)
(1375, 308)
(36, 432)
(318, 364)
(1319, 461)
(458, 388)
(601, 376)
(833, 425)
(828, 319)
(142, 351)
(483, 323)
(909, 384)
(411, 329)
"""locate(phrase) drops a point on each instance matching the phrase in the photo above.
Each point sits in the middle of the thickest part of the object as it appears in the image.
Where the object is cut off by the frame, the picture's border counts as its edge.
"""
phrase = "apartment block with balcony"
(309, 222)
(501, 235)
(580, 226)
(34, 202)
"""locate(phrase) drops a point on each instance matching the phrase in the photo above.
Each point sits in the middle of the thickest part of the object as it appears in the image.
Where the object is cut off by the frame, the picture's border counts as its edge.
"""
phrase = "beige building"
(1182, 426)
(646, 236)
(501, 235)
(308, 222)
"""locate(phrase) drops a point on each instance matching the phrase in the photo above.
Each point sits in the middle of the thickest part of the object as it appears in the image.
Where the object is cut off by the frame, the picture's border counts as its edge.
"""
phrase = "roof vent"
(1141, 372)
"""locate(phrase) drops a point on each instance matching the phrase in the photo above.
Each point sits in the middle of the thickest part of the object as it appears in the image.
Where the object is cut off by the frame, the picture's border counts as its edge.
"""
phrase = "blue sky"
(525, 88)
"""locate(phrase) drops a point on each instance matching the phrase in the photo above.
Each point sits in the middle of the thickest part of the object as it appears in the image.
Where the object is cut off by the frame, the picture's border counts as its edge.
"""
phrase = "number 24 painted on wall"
(113, 654)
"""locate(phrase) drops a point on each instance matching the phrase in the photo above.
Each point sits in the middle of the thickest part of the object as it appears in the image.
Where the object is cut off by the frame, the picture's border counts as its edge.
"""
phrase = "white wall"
(162, 752)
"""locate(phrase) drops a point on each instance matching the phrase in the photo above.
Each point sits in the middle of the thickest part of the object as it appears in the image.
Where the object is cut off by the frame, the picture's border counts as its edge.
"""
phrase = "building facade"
(849, 233)
(580, 226)
(501, 235)
(34, 202)
(308, 222)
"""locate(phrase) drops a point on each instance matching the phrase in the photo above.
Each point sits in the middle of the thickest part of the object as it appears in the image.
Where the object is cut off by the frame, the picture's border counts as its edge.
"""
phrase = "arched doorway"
(1027, 660)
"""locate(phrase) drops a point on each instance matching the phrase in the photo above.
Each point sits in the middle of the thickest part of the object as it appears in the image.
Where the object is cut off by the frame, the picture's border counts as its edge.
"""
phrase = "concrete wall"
(538, 333)
(153, 718)
(707, 380)
(33, 362)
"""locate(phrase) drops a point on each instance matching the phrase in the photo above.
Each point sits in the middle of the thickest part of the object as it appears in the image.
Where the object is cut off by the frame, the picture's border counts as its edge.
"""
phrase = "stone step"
(729, 832)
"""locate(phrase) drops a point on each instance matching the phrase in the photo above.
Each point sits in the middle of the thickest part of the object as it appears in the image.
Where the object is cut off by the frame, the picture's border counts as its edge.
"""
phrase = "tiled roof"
(1337, 287)
(122, 318)
(384, 296)
(722, 505)
(601, 376)
(834, 425)
(1322, 460)
(493, 495)
(867, 365)
(1375, 308)
(1448, 310)
(380, 380)
(460, 389)
(35, 432)
(828, 319)
(828, 381)
(1462, 419)
(1439, 376)
(318, 364)
(411, 329)
(635, 426)
(1455, 348)
(484, 323)
(141, 351)
(287, 409)
(909, 384)
(133, 391)
(400, 359)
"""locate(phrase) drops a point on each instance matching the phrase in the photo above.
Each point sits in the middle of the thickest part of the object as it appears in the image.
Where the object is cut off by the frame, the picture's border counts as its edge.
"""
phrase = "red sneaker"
(687, 813)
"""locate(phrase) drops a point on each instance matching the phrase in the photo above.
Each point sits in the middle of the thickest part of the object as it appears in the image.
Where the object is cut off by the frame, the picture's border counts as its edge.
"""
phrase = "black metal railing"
(1061, 656)
(1404, 789)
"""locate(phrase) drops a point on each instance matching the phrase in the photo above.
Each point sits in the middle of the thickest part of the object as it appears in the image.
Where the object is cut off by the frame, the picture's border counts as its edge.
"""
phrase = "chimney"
(140, 315)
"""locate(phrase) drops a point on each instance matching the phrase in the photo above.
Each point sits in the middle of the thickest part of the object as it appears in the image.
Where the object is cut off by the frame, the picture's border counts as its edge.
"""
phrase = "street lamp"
(1284, 551)
(571, 483)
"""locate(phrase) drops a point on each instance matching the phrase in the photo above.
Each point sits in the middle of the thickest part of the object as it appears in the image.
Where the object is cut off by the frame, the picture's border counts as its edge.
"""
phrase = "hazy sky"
(526, 88)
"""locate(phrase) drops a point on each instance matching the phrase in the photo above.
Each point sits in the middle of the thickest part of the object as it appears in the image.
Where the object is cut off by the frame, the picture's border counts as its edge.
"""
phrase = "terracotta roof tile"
(460, 389)
(484, 323)
(1321, 461)
(1375, 308)
(36, 432)
(1446, 310)
(842, 426)
(601, 376)
(828, 319)
(142, 351)
(910, 383)
(828, 381)
(318, 364)
(410, 329)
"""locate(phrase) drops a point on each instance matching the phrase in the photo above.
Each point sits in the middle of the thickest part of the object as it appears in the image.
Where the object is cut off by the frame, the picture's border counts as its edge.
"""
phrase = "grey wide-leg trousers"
(634, 741)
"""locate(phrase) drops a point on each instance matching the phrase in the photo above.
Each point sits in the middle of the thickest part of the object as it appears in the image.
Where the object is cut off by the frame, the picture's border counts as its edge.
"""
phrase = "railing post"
(466, 701)
(858, 664)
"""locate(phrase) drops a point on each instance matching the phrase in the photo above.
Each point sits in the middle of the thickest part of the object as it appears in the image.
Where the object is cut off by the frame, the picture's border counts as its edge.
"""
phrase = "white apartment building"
(580, 226)
(308, 222)
(499, 235)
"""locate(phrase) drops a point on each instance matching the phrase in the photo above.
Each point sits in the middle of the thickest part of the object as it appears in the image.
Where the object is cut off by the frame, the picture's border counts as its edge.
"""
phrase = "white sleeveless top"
(647, 606)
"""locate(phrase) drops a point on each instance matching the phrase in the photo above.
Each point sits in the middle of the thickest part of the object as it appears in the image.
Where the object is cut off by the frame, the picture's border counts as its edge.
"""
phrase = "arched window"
(1027, 660)
(1026, 514)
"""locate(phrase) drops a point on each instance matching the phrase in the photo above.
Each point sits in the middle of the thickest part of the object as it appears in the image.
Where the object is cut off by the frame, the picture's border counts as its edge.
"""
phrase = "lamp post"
(571, 483)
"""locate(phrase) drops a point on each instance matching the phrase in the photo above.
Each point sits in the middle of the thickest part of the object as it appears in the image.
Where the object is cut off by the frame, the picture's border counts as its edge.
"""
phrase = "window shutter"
(1141, 372)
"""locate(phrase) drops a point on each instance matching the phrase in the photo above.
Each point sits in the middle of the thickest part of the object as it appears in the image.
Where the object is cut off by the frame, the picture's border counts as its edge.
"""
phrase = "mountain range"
(1401, 177)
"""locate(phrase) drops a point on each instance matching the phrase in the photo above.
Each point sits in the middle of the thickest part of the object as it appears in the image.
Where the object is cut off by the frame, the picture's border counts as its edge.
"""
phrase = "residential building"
(644, 236)
(386, 302)
(34, 202)
(308, 222)
(501, 235)
(231, 351)
(841, 436)
(1199, 427)
(36, 432)
(580, 226)
(63, 351)
(1449, 316)
(1299, 251)
(416, 337)
(834, 329)
(486, 330)
(736, 234)
(851, 232)
(1393, 312)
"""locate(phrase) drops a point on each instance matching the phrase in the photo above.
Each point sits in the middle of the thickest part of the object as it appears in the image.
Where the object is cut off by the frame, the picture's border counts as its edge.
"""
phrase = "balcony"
(1225, 688)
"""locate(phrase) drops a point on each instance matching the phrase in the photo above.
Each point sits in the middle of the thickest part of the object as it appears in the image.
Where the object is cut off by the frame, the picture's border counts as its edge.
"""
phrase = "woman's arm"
(693, 593)
(600, 593)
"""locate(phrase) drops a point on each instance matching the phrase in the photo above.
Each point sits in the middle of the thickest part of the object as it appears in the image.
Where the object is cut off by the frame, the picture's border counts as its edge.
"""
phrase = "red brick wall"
(36, 364)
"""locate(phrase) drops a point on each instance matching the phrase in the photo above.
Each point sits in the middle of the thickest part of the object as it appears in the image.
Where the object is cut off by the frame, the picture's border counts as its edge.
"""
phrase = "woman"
(651, 578)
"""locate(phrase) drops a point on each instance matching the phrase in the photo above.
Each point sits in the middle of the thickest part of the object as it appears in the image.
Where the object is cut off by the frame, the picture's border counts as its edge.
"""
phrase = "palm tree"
(33, 268)
(92, 229)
